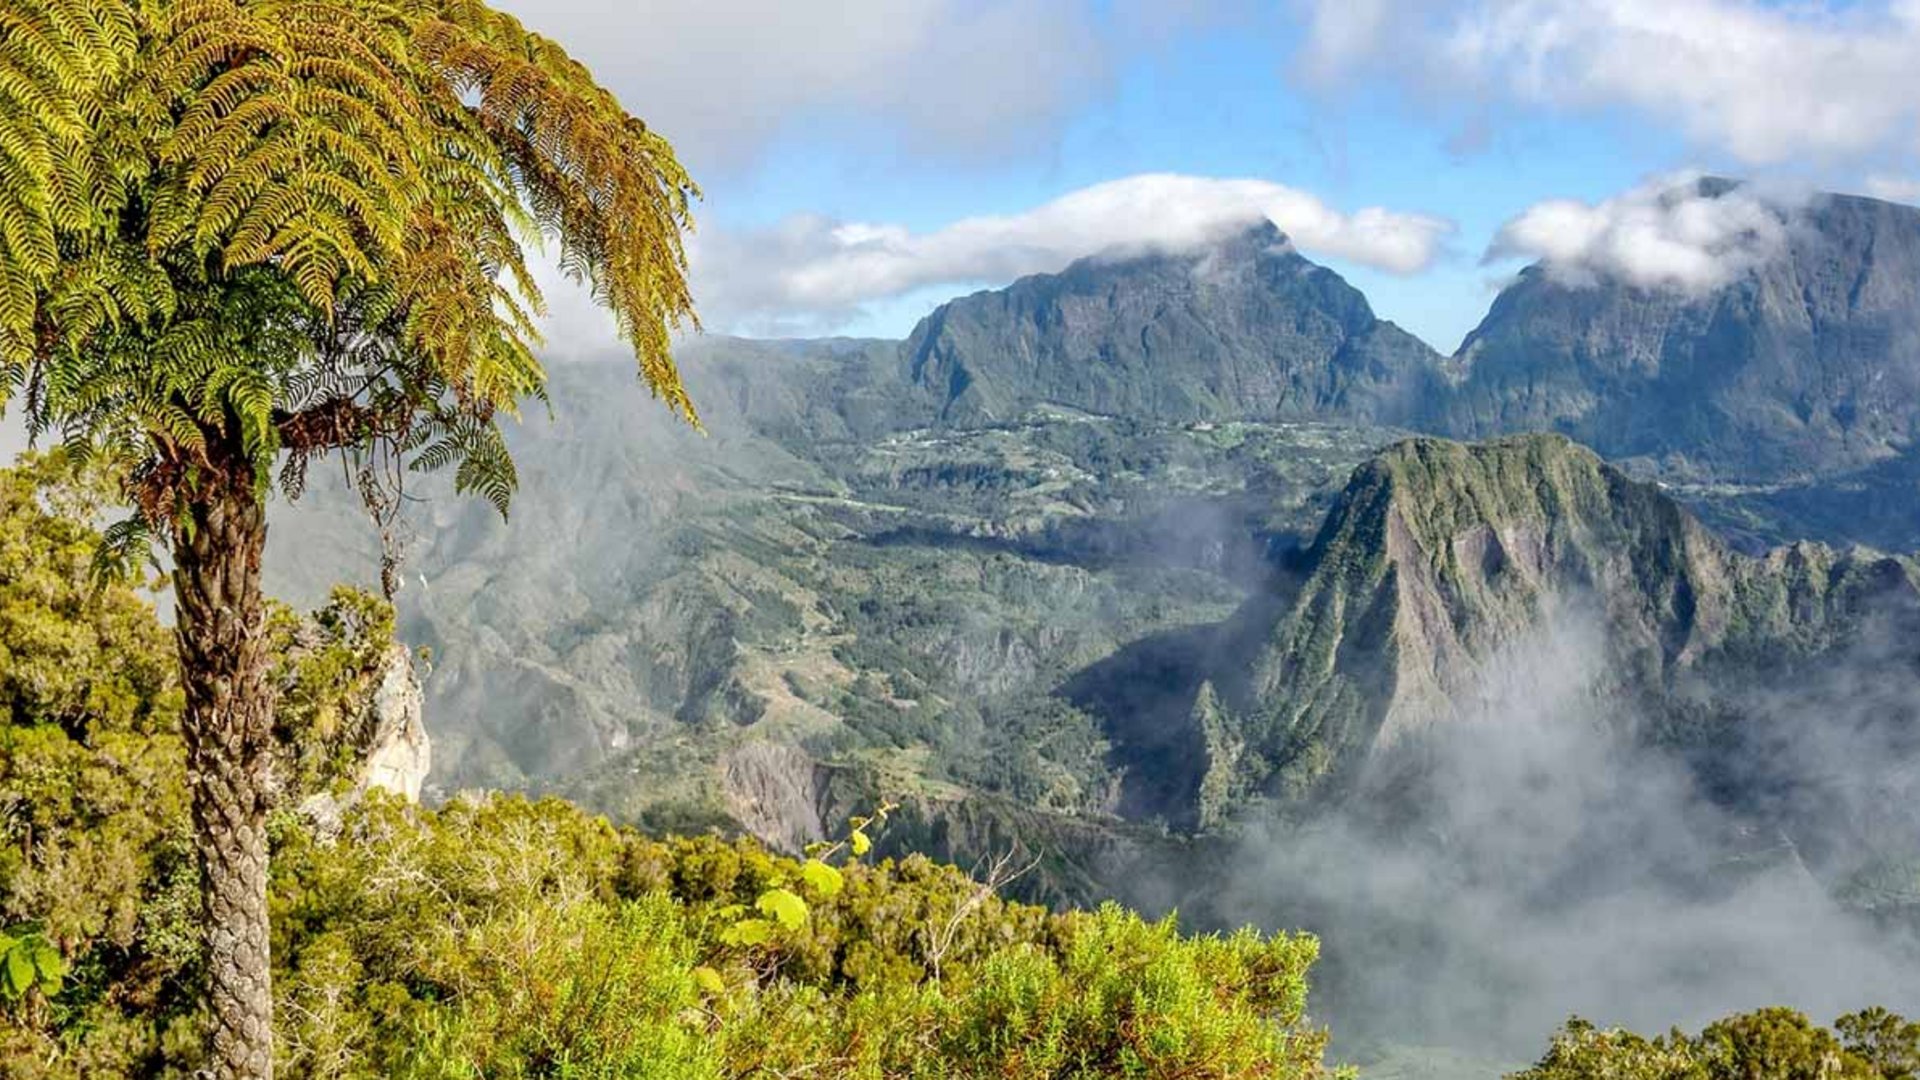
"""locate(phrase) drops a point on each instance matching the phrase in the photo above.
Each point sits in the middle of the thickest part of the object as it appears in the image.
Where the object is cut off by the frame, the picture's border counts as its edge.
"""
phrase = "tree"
(239, 234)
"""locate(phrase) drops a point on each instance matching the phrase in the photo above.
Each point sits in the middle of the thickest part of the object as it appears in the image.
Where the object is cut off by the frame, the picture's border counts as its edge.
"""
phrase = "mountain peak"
(1805, 360)
(1252, 240)
(1239, 246)
(1440, 559)
(1713, 187)
(1243, 327)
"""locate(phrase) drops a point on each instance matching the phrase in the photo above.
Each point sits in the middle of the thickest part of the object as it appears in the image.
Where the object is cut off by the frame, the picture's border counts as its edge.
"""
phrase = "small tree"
(239, 234)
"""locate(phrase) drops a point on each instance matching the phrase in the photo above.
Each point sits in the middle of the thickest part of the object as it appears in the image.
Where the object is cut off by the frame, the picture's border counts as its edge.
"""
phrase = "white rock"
(399, 754)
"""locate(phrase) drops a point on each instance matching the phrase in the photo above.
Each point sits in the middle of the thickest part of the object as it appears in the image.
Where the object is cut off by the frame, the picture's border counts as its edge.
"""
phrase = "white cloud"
(577, 326)
(1902, 189)
(1768, 83)
(723, 78)
(1341, 35)
(1662, 235)
(812, 273)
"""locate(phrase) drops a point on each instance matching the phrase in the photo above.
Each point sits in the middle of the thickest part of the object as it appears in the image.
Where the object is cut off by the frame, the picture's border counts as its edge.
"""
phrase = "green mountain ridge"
(901, 605)
(1441, 553)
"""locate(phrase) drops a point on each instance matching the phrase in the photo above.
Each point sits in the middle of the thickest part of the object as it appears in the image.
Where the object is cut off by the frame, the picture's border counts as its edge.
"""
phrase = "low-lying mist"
(1549, 849)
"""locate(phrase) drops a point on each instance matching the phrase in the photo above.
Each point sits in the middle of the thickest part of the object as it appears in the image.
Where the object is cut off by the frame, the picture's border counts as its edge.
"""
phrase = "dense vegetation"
(508, 938)
(240, 235)
(1774, 1044)
(504, 937)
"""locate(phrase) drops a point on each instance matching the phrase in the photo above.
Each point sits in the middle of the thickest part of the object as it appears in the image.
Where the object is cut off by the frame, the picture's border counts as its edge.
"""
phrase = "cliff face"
(1807, 363)
(398, 754)
(1440, 558)
(392, 751)
(1247, 329)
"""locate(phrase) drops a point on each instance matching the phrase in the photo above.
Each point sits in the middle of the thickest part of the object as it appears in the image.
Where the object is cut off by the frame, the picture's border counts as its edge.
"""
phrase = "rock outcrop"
(777, 793)
(399, 754)
(394, 753)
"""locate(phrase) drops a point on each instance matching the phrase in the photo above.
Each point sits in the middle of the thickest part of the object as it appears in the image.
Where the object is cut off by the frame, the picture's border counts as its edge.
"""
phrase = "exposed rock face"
(1248, 329)
(777, 793)
(399, 755)
(1808, 363)
(395, 753)
(1441, 555)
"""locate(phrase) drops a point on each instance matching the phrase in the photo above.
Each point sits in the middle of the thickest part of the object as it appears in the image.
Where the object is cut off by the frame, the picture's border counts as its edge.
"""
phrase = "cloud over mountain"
(1671, 233)
(1901, 189)
(811, 271)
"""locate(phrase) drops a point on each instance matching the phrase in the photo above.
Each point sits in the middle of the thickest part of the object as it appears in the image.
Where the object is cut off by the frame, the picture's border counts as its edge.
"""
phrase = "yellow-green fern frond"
(254, 227)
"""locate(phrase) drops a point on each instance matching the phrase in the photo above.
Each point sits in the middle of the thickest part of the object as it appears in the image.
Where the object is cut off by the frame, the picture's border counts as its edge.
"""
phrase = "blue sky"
(943, 129)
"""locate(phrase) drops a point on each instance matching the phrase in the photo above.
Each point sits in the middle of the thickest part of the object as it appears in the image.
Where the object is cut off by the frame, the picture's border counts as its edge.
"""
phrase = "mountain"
(1440, 558)
(856, 562)
(1782, 405)
(1059, 565)
(1804, 365)
(740, 628)
(1105, 569)
(1246, 329)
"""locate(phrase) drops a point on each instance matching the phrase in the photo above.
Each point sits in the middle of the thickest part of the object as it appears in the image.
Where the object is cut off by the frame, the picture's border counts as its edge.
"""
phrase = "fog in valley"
(1538, 854)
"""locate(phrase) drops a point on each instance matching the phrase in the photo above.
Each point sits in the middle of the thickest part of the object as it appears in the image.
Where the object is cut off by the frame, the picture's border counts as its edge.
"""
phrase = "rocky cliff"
(1441, 558)
(390, 749)
(397, 756)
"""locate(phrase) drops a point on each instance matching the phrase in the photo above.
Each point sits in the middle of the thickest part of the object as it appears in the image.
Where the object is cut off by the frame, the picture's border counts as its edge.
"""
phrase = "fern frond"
(487, 468)
(125, 550)
(239, 227)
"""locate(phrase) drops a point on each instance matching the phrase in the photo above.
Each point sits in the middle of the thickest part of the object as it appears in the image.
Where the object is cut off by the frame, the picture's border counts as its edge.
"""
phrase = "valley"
(959, 540)
(1165, 570)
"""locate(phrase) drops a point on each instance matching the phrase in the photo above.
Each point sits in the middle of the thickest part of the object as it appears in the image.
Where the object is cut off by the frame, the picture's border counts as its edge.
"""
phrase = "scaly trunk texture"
(229, 733)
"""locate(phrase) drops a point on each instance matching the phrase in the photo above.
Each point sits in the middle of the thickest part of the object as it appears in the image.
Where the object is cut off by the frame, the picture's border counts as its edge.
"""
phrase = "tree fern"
(236, 234)
(378, 160)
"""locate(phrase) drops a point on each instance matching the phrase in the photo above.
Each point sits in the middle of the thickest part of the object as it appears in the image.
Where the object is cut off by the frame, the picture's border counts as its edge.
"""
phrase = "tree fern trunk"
(229, 732)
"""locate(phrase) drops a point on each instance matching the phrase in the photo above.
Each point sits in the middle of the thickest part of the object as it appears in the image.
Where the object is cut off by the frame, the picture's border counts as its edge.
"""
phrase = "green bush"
(1767, 1044)
(529, 939)
(586, 991)
(512, 938)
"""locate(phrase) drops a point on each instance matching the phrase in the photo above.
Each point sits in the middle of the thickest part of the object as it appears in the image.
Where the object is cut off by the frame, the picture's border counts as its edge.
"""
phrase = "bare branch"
(1000, 872)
